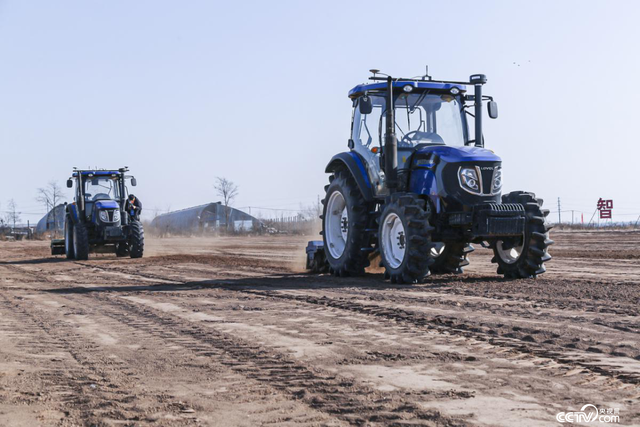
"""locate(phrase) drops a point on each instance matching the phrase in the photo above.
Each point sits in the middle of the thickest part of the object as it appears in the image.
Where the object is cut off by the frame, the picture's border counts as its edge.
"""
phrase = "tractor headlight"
(469, 181)
(104, 216)
(496, 186)
(116, 215)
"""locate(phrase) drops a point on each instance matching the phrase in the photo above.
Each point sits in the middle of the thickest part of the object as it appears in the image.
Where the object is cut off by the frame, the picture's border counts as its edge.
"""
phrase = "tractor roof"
(100, 172)
(417, 85)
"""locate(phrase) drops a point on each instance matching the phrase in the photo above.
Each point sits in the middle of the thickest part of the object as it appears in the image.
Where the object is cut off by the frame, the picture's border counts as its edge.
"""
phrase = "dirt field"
(231, 332)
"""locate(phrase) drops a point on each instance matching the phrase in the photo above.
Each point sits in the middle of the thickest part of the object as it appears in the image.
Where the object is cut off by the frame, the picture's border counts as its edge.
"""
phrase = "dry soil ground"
(231, 332)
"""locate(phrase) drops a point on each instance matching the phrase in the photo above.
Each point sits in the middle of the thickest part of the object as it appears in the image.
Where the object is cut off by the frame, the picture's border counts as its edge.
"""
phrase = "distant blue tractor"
(97, 221)
(421, 199)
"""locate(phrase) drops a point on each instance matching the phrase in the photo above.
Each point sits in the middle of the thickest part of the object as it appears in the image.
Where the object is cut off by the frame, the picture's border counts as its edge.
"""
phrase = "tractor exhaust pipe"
(390, 143)
(478, 80)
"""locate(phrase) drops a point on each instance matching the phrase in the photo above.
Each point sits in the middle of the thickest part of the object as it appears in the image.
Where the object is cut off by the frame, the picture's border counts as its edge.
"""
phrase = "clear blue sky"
(182, 92)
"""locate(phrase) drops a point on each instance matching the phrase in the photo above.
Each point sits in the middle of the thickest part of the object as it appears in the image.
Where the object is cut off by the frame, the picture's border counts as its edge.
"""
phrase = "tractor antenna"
(374, 71)
(426, 76)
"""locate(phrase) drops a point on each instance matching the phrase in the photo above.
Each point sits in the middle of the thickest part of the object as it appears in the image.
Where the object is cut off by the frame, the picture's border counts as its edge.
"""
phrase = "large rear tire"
(80, 242)
(525, 257)
(344, 223)
(450, 257)
(405, 239)
(136, 239)
(68, 238)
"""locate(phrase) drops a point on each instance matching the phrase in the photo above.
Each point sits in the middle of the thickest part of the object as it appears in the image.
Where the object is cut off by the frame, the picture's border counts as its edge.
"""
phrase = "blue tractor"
(97, 221)
(418, 187)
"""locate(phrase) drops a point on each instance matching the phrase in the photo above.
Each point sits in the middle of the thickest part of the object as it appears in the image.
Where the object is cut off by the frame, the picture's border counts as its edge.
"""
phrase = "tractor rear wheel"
(136, 239)
(524, 257)
(68, 238)
(80, 242)
(405, 239)
(344, 222)
(449, 257)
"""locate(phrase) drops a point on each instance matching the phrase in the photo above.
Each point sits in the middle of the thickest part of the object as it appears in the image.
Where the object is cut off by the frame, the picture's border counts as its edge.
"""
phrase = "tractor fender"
(72, 210)
(352, 162)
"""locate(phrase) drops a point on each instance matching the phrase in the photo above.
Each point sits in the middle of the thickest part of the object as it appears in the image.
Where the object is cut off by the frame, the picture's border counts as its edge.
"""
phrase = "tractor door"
(366, 140)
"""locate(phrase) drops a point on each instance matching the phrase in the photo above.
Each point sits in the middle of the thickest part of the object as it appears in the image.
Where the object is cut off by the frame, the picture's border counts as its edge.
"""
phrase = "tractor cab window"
(423, 118)
(366, 140)
(101, 188)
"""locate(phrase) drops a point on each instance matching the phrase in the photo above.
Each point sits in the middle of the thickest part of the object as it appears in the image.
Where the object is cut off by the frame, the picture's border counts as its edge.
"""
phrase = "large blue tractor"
(418, 188)
(97, 221)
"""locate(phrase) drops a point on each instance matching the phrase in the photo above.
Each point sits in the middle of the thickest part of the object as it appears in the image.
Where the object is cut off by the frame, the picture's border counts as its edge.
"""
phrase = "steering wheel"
(406, 139)
(431, 136)
(101, 196)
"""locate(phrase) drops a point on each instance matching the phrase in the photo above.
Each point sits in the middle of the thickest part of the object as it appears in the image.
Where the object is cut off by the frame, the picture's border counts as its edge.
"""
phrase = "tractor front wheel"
(449, 257)
(122, 249)
(524, 257)
(405, 239)
(136, 239)
(344, 222)
(80, 242)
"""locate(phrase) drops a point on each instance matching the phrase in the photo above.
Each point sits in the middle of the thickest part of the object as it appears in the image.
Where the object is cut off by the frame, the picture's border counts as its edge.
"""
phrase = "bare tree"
(310, 212)
(12, 216)
(228, 191)
(51, 196)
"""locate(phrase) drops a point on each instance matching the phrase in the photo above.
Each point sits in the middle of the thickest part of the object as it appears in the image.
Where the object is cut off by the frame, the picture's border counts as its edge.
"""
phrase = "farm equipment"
(97, 221)
(417, 188)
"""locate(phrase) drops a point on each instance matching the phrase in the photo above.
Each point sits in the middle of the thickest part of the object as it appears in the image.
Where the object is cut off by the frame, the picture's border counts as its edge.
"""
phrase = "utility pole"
(559, 212)
(571, 216)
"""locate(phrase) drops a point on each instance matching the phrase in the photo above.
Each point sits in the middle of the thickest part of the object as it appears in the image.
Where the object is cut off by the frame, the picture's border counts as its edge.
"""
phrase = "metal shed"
(205, 218)
(53, 221)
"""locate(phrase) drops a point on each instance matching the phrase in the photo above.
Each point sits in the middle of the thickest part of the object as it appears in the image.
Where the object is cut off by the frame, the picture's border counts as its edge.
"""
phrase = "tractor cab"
(100, 192)
(426, 114)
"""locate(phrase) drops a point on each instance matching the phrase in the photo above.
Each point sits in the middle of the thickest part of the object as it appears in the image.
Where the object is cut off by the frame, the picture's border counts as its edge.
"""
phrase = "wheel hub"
(394, 241)
(508, 252)
(437, 249)
(336, 224)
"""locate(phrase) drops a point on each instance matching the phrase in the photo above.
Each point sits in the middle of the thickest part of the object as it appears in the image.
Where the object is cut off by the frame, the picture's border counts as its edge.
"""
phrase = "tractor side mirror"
(69, 183)
(365, 105)
(492, 107)
(134, 182)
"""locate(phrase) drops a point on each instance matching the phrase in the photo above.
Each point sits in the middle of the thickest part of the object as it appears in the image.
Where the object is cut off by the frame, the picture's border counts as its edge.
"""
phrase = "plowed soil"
(231, 331)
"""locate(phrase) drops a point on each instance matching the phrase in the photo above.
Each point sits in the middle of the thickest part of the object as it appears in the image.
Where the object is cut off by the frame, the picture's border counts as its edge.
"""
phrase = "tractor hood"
(107, 204)
(460, 154)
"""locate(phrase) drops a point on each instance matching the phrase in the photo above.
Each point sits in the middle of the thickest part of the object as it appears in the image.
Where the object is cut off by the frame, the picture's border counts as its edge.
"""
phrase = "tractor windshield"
(428, 119)
(421, 118)
(101, 188)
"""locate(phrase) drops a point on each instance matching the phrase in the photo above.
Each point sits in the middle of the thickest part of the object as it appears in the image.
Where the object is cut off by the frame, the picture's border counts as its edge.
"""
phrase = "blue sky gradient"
(182, 92)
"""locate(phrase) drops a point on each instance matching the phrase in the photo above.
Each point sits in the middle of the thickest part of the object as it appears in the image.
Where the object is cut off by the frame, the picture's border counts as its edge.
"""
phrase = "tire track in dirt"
(90, 357)
(551, 327)
(517, 338)
(518, 342)
(485, 304)
(96, 390)
(339, 397)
